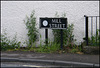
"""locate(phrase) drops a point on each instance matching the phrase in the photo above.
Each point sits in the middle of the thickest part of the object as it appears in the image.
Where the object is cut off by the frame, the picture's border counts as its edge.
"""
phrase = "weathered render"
(14, 12)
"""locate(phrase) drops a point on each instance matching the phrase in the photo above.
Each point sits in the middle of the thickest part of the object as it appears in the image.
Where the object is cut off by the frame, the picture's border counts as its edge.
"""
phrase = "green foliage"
(68, 37)
(74, 50)
(7, 44)
(92, 40)
(80, 48)
(30, 23)
(52, 47)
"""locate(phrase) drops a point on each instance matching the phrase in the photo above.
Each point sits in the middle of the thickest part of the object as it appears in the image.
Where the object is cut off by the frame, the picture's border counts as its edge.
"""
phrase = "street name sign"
(53, 23)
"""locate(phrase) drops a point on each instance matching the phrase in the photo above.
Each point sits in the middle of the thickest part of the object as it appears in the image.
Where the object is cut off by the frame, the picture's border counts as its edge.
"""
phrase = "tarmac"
(82, 60)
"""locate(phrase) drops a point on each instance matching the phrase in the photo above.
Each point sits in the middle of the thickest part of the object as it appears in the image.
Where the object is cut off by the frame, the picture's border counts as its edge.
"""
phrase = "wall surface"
(14, 12)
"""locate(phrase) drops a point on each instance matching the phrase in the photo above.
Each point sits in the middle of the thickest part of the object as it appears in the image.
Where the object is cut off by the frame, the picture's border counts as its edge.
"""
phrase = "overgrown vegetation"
(94, 40)
(68, 37)
(74, 49)
(52, 47)
(9, 44)
(30, 23)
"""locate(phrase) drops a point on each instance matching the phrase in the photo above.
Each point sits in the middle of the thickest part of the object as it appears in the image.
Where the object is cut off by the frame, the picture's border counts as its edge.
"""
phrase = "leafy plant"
(7, 44)
(68, 37)
(94, 40)
(80, 48)
(52, 47)
(74, 50)
(30, 23)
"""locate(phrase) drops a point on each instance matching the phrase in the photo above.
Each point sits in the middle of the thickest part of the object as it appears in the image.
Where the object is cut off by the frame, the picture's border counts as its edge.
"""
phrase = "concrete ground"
(52, 57)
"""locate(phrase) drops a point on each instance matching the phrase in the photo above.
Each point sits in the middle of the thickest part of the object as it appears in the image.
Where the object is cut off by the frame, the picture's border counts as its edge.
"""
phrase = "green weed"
(7, 44)
(30, 23)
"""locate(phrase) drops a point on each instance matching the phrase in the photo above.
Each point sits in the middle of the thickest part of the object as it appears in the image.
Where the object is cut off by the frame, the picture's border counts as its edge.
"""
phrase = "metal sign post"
(61, 39)
(46, 36)
(53, 23)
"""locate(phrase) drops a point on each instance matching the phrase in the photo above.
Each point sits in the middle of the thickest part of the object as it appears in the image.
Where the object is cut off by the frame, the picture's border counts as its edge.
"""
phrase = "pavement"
(83, 60)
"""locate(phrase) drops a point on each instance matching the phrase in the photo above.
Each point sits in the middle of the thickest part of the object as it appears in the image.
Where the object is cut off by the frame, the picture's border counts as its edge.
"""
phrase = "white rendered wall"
(14, 12)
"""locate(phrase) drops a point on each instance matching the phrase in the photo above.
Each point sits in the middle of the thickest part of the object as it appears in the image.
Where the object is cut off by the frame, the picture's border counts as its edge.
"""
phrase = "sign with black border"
(53, 23)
